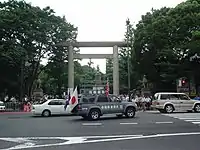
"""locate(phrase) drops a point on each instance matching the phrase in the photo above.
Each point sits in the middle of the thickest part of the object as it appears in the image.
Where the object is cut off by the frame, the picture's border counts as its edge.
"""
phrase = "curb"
(14, 113)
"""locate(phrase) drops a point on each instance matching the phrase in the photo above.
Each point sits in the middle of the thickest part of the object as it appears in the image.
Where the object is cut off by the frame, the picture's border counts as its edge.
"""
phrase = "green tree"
(88, 74)
(186, 29)
(109, 69)
(31, 33)
(164, 41)
(151, 45)
(125, 54)
(90, 63)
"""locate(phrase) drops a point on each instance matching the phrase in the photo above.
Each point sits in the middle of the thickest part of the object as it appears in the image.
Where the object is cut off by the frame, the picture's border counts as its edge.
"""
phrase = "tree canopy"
(164, 45)
(164, 41)
(29, 35)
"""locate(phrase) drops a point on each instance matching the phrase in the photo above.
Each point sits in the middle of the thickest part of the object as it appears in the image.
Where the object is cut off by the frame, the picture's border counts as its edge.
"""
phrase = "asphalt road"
(147, 131)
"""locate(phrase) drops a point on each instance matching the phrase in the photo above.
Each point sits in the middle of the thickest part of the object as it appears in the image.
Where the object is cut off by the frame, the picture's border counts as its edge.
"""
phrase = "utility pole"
(128, 60)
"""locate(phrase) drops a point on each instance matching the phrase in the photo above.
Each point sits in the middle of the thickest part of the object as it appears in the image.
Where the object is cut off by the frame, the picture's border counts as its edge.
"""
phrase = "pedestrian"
(143, 103)
(6, 98)
(148, 102)
(139, 102)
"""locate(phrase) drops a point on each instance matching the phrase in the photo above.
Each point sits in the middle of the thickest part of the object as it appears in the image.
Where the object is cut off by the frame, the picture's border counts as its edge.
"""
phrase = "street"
(147, 131)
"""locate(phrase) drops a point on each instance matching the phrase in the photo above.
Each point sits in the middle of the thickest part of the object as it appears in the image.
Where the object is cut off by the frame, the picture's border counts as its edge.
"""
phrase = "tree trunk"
(32, 79)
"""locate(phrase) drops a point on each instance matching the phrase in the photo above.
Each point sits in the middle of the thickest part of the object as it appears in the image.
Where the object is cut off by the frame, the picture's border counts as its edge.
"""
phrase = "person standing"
(143, 103)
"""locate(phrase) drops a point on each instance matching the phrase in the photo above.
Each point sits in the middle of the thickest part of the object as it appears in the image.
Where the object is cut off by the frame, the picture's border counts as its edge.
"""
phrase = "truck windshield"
(88, 99)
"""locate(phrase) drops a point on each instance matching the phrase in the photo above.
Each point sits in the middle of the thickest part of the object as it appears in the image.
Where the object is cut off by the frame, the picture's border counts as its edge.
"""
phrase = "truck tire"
(94, 114)
(130, 112)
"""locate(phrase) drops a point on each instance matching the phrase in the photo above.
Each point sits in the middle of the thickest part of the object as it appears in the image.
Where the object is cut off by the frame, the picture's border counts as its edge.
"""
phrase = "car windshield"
(155, 97)
(1, 104)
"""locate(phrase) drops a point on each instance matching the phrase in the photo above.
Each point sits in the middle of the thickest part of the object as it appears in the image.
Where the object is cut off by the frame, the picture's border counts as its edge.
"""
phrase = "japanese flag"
(73, 100)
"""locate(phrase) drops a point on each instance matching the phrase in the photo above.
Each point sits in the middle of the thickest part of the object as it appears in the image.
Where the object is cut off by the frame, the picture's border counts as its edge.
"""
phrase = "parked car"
(170, 102)
(2, 106)
(91, 107)
(50, 107)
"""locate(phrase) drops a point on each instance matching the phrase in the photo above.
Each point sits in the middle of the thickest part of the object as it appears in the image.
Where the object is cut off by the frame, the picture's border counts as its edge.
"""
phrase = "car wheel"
(197, 108)
(130, 112)
(169, 108)
(46, 113)
(94, 114)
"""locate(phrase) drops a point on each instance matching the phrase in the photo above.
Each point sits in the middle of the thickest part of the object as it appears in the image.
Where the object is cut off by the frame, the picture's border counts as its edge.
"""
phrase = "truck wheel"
(94, 114)
(130, 112)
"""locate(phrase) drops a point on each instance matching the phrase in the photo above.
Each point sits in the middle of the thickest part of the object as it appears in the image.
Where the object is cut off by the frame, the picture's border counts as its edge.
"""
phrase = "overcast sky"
(102, 20)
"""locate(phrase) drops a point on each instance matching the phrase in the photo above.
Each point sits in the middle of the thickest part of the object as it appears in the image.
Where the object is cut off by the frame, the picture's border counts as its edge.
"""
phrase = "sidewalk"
(14, 112)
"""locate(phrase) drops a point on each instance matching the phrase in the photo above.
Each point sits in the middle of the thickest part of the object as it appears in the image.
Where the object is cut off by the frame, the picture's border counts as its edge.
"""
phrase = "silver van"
(171, 102)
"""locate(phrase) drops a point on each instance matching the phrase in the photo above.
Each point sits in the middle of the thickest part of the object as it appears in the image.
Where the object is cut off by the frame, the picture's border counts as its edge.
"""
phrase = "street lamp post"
(128, 60)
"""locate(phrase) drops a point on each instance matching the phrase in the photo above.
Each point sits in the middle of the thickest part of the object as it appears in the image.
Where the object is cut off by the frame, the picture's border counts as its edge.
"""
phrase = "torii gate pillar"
(70, 69)
(115, 71)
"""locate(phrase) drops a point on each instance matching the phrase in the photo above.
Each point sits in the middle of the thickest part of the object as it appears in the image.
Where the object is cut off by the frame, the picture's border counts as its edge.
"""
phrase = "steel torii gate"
(71, 56)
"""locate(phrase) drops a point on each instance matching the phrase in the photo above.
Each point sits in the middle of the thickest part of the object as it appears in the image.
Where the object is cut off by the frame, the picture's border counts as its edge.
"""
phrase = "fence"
(14, 106)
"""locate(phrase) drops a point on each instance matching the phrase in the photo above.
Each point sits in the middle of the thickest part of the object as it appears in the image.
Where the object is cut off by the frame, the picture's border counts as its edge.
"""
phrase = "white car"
(2, 106)
(50, 107)
(171, 102)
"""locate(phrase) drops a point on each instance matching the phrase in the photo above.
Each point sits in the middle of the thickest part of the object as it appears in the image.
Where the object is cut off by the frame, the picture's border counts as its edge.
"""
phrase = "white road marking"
(67, 141)
(188, 117)
(86, 139)
(164, 122)
(124, 123)
(192, 120)
(196, 122)
(23, 142)
(91, 124)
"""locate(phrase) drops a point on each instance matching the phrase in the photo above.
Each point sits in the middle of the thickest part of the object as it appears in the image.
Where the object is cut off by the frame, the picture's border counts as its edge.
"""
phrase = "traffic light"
(183, 82)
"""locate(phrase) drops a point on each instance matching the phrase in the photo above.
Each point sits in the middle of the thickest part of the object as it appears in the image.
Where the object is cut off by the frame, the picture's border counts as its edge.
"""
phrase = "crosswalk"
(188, 117)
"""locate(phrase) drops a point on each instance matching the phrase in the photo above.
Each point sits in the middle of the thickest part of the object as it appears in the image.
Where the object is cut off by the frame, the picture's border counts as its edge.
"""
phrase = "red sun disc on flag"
(73, 100)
